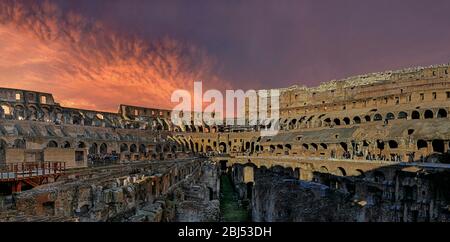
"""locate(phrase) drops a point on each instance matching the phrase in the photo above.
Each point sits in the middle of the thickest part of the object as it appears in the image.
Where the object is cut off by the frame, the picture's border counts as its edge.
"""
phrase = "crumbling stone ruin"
(375, 145)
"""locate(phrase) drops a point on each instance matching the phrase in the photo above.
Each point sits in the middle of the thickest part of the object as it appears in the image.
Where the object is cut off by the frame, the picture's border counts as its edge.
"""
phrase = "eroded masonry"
(373, 147)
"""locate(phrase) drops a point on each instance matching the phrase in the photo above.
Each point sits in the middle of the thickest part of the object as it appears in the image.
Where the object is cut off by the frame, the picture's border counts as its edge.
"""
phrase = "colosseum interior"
(366, 148)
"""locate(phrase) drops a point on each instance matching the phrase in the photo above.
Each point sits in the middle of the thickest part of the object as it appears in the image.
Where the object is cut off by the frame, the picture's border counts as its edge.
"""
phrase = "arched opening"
(103, 149)
(323, 146)
(367, 118)
(442, 113)
(402, 115)
(421, 144)
(344, 146)
(76, 120)
(428, 114)
(415, 115)
(380, 144)
(377, 117)
(438, 145)
(123, 148)
(223, 147)
(323, 169)
(133, 148)
(346, 121)
(393, 144)
(272, 148)
(357, 120)
(314, 146)
(360, 173)
(66, 145)
(336, 121)
(341, 172)
(93, 149)
(142, 149)
(81, 145)
(390, 116)
(305, 146)
(52, 144)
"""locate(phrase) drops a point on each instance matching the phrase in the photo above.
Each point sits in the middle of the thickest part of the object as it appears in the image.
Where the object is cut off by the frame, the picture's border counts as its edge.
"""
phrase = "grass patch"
(229, 204)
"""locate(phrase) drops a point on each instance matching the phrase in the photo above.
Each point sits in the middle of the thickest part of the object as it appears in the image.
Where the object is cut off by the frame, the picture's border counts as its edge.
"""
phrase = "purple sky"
(278, 43)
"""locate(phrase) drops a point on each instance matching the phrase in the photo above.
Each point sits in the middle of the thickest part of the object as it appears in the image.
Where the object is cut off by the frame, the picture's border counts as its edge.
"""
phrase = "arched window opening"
(393, 144)
(428, 114)
(438, 146)
(377, 117)
(103, 149)
(346, 121)
(442, 113)
(52, 144)
(402, 115)
(415, 115)
(422, 144)
(390, 116)
(336, 121)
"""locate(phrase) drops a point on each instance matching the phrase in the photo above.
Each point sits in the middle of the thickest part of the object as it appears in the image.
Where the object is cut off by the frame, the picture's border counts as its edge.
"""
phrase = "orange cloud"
(86, 65)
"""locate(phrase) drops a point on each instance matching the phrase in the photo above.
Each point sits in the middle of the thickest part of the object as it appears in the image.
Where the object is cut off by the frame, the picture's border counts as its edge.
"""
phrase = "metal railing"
(17, 171)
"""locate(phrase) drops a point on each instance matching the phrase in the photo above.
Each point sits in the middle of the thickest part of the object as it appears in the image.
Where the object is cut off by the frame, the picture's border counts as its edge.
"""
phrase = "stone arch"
(305, 146)
(344, 146)
(377, 117)
(19, 112)
(428, 114)
(341, 171)
(123, 148)
(6, 109)
(93, 149)
(442, 113)
(66, 145)
(142, 148)
(438, 146)
(323, 169)
(346, 120)
(421, 144)
(76, 119)
(103, 149)
(81, 145)
(367, 118)
(323, 146)
(402, 115)
(360, 173)
(393, 144)
(356, 120)
(336, 121)
(133, 148)
(415, 114)
(32, 112)
(390, 116)
(223, 147)
(52, 144)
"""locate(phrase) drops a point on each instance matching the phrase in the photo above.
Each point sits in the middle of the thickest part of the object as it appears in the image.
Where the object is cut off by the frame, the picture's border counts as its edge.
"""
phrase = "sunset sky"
(98, 54)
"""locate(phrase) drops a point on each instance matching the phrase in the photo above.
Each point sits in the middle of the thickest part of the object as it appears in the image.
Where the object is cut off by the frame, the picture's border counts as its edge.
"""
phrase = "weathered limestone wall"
(198, 201)
(132, 194)
(278, 197)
